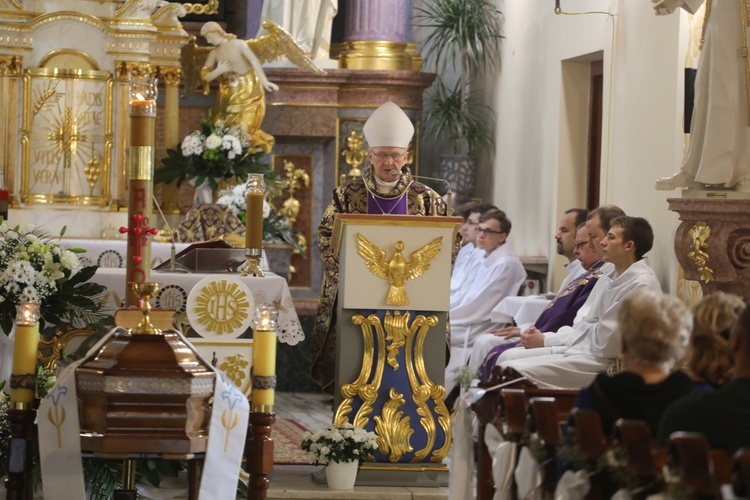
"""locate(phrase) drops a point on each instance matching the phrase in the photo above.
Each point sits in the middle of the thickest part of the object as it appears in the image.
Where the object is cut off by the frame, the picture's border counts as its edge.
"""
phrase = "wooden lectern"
(393, 300)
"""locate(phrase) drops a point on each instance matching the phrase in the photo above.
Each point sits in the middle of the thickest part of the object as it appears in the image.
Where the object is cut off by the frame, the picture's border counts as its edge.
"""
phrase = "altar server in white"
(466, 260)
(499, 274)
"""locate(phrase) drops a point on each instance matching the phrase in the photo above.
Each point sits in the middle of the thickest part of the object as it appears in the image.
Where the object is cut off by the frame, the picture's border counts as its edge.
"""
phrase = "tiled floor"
(314, 411)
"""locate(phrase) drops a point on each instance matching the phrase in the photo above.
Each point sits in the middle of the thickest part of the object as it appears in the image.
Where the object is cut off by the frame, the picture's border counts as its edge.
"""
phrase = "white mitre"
(388, 126)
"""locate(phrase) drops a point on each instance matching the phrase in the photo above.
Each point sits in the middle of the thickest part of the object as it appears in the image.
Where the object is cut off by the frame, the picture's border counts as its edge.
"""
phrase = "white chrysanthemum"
(213, 141)
(192, 145)
(266, 209)
(69, 260)
(231, 145)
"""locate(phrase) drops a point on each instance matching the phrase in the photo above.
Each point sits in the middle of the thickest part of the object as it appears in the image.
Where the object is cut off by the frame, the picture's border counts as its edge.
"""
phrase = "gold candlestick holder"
(252, 267)
(145, 291)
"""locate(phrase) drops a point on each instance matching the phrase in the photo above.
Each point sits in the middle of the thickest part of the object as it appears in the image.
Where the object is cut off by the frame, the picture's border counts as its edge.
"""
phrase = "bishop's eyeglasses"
(388, 156)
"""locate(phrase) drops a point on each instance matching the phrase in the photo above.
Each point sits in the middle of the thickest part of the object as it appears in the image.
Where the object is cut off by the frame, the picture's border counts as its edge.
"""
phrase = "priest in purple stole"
(386, 187)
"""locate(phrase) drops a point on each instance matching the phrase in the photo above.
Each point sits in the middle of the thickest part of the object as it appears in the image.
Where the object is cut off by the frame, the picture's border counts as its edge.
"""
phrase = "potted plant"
(464, 34)
(340, 449)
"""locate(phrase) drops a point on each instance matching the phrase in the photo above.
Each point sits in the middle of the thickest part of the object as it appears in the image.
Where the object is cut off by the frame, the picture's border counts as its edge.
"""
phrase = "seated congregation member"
(594, 343)
(654, 330)
(560, 312)
(709, 361)
(498, 274)
(723, 415)
(468, 256)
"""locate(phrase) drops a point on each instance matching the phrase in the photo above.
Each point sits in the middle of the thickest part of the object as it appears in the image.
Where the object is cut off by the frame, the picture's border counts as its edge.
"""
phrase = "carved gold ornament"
(355, 153)
(700, 233)
(202, 9)
(397, 270)
(393, 429)
(295, 178)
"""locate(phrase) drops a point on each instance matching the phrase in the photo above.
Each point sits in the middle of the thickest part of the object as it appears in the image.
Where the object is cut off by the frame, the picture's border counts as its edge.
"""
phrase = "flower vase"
(203, 193)
(341, 475)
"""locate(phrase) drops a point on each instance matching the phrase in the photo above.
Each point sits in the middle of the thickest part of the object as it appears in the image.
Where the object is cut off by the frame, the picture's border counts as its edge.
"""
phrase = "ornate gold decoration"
(202, 9)
(10, 65)
(367, 392)
(398, 270)
(393, 428)
(700, 233)
(222, 306)
(92, 169)
(375, 54)
(368, 385)
(124, 70)
(234, 367)
(171, 75)
(355, 153)
(58, 344)
(295, 178)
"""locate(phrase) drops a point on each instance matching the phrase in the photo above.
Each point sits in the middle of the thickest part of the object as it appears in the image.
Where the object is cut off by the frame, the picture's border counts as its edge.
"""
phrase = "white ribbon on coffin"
(528, 476)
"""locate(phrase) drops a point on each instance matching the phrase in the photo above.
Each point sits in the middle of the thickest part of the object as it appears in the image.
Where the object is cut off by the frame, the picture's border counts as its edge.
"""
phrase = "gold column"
(10, 70)
(171, 75)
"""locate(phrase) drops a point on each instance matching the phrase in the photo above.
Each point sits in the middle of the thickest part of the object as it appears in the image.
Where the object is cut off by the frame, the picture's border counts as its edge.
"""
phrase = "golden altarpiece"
(64, 77)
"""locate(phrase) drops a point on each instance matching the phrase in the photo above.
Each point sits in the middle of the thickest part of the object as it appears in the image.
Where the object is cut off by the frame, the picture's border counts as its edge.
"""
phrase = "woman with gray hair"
(655, 329)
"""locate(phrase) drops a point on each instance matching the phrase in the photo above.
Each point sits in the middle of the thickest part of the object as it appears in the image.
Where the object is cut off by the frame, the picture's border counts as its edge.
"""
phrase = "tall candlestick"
(25, 346)
(264, 359)
(256, 192)
(141, 174)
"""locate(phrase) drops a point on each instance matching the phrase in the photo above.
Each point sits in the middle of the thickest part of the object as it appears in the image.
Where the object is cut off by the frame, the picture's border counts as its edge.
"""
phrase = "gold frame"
(29, 110)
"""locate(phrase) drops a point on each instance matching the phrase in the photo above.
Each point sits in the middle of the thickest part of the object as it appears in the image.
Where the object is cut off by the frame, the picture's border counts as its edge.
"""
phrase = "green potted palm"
(464, 34)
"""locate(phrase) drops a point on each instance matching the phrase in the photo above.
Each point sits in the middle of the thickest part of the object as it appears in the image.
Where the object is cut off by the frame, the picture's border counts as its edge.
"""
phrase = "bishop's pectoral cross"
(139, 227)
(67, 138)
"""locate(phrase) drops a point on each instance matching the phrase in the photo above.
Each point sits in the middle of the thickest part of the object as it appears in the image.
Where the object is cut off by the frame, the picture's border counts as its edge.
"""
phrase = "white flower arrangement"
(236, 199)
(339, 444)
(36, 269)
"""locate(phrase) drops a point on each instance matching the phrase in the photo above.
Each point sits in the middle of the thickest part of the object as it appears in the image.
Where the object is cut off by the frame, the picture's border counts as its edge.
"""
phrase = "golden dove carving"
(397, 270)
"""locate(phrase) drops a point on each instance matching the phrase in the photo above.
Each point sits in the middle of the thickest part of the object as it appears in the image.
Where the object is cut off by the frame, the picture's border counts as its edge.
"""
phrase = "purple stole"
(395, 206)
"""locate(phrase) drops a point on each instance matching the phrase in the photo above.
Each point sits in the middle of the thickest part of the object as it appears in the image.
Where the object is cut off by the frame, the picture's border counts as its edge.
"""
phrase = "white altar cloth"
(271, 290)
(523, 309)
(112, 253)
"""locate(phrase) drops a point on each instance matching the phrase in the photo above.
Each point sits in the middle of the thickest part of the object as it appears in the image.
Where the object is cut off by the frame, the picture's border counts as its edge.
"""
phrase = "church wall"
(534, 172)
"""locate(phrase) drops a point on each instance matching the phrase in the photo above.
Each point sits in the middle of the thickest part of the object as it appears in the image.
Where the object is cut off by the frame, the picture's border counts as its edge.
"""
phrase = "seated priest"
(469, 256)
(593, 343)
(559, 313)
(498, 275)
(386, 187)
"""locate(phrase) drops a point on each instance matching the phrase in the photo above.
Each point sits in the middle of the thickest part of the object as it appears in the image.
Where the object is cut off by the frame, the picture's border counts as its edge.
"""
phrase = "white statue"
(719, 150)
(307, 21)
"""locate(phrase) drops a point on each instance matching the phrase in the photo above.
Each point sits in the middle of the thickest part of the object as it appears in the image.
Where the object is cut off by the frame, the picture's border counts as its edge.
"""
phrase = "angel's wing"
(420, 260)
(277, 44)
(193, 58)
(374, 256)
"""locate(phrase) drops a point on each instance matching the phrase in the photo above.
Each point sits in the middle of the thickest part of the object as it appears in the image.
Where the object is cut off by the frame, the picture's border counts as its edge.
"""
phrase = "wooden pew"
(698, 467)
(545, 423)
(586, 430)
(741, 475)
(643, 460)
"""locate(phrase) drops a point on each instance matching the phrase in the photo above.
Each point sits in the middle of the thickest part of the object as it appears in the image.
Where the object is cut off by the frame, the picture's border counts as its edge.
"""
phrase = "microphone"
(448, 192)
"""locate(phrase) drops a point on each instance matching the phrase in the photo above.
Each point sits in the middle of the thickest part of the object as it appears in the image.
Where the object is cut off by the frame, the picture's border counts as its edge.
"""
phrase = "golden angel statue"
(397, 270)
(236, 64)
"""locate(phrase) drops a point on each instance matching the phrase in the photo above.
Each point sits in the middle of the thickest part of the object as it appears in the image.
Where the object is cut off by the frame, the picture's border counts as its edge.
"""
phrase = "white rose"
(213, 141)
(69, 260)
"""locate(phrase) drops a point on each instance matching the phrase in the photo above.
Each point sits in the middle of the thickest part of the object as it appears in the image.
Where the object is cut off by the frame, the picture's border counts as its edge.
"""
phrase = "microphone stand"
(448, 192)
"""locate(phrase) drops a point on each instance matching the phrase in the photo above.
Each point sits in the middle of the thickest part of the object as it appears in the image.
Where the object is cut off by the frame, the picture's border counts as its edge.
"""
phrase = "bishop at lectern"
(386, 187)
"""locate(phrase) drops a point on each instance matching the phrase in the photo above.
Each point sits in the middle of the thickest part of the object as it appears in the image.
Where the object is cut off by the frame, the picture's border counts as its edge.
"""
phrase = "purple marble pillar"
(377, 20)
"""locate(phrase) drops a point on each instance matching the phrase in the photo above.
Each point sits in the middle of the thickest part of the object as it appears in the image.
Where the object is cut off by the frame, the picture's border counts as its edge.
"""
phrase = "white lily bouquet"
(339, 444)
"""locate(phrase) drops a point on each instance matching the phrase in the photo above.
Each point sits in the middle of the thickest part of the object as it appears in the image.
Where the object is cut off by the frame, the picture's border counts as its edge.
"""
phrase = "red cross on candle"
(137, 229)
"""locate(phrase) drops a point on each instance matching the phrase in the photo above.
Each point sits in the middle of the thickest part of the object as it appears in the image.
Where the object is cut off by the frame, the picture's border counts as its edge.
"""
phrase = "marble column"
(377, 35)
